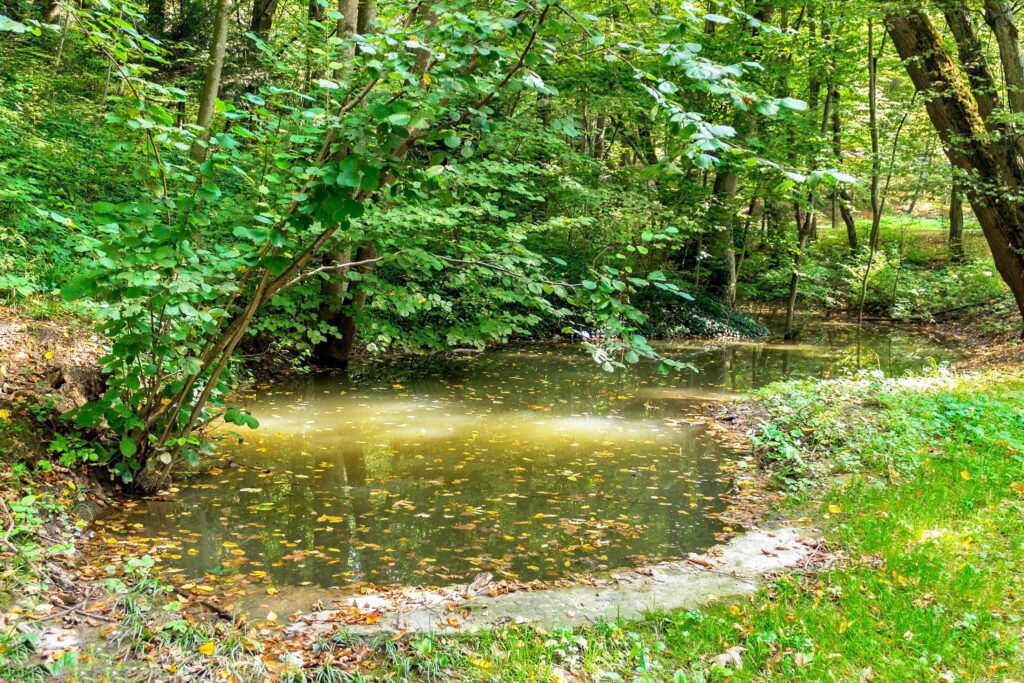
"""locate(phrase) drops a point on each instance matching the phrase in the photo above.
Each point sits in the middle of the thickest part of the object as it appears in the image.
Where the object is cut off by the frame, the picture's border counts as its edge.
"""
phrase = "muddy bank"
(734, 569)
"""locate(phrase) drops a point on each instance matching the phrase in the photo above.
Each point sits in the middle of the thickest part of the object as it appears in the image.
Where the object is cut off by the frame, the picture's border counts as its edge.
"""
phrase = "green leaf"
(210, 192)
(79, 287)
(452, 140)
(128, 447)
(371, 178)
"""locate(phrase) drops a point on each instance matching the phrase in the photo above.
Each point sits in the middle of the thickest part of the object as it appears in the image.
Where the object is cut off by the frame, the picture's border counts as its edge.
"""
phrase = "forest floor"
(917, 485)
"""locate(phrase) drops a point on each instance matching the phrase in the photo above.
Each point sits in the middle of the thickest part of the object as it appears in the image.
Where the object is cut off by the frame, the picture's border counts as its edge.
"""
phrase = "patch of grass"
(928, 518)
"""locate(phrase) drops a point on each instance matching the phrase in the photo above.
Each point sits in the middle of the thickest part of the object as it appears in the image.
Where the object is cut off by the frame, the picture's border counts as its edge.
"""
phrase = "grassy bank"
(926, 584)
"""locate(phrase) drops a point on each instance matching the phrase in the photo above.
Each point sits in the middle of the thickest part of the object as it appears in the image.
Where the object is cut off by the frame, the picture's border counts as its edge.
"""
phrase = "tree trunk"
(723, 216)
(349, 10)
(956, 224)
(314, 10)
(844, 199)
(51, 11)
(336, 350)
(214, 67)
(340, 304)
(262, 17)
(972, 56)
(367, 15)
(805, 227)
(999, 17)
(993, 163)
(156, 17)
(876, 157)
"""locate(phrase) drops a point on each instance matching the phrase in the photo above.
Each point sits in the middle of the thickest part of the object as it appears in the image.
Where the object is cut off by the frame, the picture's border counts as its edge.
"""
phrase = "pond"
(528, 462)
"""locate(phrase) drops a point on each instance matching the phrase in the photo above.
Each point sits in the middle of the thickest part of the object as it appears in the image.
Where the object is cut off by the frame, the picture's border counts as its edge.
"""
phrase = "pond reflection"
(528, 462)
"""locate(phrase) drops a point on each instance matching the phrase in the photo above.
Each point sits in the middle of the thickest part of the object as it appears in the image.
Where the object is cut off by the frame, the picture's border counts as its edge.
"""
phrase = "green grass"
(928, 516)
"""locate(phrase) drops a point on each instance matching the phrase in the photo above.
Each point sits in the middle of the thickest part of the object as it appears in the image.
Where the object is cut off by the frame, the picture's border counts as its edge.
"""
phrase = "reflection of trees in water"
(480, 462)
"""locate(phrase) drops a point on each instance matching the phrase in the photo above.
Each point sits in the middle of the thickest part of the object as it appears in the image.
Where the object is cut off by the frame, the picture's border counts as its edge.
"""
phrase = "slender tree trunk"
(844, 200)
(876, 173)
(876, 157)
(805, 227)
(956, 223)
(349, 331)
(342, 301)
(214, 67)
(922, 178)
(726, 184)
(999, 17)
(723, 216)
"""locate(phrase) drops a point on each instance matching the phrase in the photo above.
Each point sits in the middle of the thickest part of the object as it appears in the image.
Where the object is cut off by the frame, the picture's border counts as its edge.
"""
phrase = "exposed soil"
(48, 361)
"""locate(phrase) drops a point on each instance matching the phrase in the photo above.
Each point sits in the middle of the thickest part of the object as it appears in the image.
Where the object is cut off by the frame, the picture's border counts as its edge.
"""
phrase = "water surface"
(529, 462)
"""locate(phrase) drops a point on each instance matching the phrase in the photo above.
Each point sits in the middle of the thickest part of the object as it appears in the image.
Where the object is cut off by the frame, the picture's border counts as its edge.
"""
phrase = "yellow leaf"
(965, 475)
(835, 509)
(328, 518)
(48, 355)
(208, 647)
(4, 414)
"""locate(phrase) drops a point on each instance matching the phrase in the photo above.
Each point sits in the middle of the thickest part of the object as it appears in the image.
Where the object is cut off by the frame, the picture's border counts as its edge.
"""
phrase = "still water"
(528, 462)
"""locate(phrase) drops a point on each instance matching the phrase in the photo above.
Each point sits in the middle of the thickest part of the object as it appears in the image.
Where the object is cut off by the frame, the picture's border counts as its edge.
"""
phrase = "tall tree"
(992, 164)
(956, 223)
(262, 19)
(214, 68)
(156, 17)
(342, 298)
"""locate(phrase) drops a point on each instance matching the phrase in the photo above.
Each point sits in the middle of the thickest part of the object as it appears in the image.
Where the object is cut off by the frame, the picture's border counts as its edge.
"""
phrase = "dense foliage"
(432, 175)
